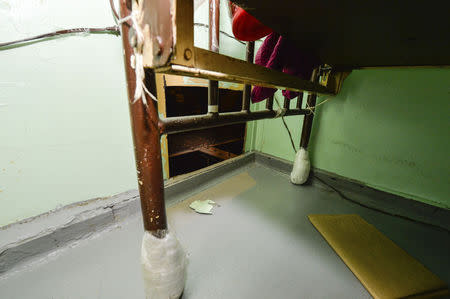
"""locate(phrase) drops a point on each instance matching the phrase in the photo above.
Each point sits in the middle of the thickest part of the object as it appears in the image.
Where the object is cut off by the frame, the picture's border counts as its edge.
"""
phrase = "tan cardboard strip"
(385, 270)
(226, 190)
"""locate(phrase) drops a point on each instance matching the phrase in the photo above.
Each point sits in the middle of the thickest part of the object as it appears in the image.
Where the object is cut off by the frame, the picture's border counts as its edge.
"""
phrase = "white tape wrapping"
(213, 108)
(300, 170)
(164, 266)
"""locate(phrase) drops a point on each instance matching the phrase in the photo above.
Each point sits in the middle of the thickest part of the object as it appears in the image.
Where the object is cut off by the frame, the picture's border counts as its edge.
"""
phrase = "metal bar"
(249, 55)
(214, 25)
(196, 122)
(299, 101)
(146, 138)
(175, 20)
(308, 119)
(286, 103)
(269, 103)
(213, 97)
(214, 66)
(184, 32)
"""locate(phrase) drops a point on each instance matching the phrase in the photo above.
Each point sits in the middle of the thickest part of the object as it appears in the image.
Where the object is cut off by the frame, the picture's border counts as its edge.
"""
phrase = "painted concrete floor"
(257, 244)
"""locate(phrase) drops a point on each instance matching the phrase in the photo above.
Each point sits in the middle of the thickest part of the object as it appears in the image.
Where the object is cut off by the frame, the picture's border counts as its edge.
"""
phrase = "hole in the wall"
(191, 151)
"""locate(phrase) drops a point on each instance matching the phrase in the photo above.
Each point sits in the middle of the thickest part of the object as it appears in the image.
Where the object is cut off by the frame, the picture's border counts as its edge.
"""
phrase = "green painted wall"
(270, 136)
(388, 128)
(64, 124)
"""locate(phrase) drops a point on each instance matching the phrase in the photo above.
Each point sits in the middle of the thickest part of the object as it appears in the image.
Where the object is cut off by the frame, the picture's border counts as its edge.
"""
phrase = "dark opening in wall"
(190, 151)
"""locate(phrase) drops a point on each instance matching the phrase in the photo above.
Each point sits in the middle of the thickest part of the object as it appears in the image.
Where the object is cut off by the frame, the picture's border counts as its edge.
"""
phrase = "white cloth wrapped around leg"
(300, 170)
(164, 266)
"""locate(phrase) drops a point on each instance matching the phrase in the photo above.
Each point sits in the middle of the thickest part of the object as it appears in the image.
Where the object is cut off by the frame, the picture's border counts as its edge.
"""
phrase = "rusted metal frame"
(196, 122)
(183, 50)
(269, 103)
(188, 60)
(308, 119)
(214, 25)
(214, 66)
(249, 55)
(213, 97)
(161, 94)
(146, 138)
(299, 101)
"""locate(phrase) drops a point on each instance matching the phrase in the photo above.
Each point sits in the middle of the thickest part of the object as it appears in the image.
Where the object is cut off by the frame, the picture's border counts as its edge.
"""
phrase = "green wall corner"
(387, 128)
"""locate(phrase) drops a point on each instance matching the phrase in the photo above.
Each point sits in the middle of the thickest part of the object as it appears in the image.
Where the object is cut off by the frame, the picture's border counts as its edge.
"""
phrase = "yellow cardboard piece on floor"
(385, 270)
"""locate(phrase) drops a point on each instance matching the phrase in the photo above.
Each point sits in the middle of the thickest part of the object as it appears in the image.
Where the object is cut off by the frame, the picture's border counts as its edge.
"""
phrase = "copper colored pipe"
(214, 24)
(146, 139)
(249, 55)
(308, 120)
(180, 124)
(105, 30)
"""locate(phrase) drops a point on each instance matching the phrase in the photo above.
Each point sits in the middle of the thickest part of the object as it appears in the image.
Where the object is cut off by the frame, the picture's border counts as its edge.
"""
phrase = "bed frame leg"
(146, 139)
(302, 165)
(308, 119)
(163, 259)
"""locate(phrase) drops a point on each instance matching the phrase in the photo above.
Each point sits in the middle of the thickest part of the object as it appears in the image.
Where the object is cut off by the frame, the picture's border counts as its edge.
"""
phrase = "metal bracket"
(333, 80)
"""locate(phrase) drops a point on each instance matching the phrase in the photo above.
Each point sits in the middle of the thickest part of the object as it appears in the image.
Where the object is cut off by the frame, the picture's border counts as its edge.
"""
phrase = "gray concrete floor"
(257, 244)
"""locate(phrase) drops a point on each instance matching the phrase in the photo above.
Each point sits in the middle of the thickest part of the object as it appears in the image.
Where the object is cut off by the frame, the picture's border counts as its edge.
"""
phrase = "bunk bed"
(162, 55)
(346, 35)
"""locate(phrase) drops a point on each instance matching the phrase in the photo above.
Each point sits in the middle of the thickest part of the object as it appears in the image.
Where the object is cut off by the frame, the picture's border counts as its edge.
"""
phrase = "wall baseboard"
(367, 196)
(39, 235)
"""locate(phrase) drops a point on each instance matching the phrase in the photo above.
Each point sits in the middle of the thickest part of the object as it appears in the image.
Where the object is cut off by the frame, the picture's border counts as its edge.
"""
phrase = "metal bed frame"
(169, 48)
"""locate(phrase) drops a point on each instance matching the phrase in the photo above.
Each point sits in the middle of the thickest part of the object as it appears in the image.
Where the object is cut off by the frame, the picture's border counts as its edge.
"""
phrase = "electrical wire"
(343, 196)
(114, 11)
(22, 42)
(338, 192)
(290, 135)
(286, 126)
(105, 30)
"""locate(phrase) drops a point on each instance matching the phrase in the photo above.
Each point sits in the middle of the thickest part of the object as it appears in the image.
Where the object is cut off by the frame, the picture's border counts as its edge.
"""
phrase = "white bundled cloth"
(163, 260)
(164, 266)
(300, 170)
